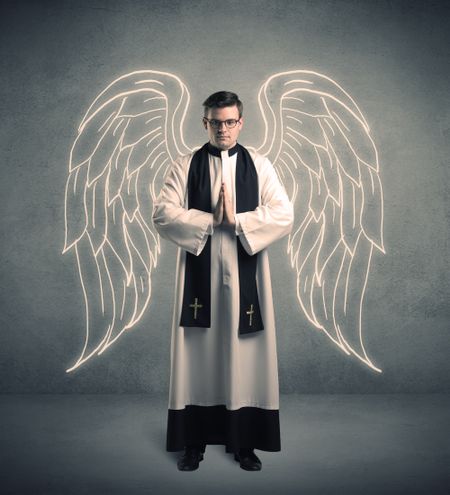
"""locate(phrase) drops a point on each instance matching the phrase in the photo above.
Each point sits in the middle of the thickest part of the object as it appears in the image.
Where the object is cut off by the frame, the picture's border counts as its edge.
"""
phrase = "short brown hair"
(223, 99)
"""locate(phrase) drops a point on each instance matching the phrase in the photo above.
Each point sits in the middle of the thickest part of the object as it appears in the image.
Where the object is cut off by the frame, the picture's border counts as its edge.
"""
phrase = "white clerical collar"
(213, 150)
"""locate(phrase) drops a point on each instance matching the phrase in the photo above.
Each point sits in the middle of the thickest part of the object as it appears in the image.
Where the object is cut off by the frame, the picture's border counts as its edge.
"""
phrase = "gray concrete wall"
(391, 56)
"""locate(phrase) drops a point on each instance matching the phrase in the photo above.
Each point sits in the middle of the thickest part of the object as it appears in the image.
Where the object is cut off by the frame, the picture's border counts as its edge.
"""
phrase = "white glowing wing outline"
(126, 142)
(320, 145)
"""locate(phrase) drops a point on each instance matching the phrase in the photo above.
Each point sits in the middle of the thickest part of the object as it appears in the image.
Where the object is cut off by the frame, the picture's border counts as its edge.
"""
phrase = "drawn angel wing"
(126, 142)
(321, 148)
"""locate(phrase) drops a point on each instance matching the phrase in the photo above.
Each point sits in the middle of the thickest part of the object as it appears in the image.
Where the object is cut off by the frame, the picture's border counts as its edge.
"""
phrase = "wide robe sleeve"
(270, 221)
(187, 228)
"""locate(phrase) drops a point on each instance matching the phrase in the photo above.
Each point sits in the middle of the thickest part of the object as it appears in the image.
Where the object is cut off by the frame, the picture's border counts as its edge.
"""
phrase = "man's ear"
(205, 124)
(242, 122)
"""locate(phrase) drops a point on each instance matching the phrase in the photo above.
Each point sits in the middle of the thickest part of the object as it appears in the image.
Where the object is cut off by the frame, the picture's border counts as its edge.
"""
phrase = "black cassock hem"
(250, 427)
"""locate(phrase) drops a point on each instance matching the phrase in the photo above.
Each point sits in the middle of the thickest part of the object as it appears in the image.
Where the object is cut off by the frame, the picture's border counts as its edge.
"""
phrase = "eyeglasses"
(216, 124)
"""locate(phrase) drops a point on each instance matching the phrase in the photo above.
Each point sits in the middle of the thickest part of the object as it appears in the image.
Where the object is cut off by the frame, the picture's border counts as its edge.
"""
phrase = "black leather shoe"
(190, 459)
(248, 460)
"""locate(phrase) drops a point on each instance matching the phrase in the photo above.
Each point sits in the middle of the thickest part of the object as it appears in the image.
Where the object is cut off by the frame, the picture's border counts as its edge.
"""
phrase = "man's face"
(223, 137)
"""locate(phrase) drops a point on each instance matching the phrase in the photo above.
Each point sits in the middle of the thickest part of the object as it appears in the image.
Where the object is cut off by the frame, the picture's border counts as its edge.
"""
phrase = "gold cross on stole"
(250, 312)
(195, 306)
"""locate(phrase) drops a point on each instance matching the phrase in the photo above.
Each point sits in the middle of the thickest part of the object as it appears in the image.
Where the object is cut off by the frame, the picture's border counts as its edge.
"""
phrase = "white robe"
(216, 365)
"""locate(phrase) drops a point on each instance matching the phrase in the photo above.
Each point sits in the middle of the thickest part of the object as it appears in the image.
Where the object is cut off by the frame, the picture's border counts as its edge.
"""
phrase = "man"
(223, 206)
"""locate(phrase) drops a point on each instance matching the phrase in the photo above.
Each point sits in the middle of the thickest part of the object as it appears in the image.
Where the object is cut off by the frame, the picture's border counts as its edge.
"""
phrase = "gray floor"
(331, 444)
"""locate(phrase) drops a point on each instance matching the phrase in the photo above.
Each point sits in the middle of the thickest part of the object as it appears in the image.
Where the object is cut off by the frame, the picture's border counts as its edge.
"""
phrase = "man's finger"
(225, 192)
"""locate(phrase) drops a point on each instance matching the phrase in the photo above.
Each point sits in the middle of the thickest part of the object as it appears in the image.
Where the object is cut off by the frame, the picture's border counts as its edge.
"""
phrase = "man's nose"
(220, 125)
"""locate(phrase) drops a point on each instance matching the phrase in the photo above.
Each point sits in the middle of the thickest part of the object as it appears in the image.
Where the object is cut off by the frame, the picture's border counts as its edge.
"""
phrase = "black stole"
(196, 310)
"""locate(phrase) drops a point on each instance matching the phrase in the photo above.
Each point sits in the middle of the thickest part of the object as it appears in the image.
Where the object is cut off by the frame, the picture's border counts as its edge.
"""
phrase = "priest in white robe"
(223, 205)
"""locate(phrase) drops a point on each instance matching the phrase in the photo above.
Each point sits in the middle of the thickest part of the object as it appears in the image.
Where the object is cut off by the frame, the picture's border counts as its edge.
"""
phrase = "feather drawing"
(320, 145)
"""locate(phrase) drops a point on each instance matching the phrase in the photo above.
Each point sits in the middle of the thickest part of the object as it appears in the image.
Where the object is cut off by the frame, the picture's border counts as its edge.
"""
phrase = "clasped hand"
(223, 213)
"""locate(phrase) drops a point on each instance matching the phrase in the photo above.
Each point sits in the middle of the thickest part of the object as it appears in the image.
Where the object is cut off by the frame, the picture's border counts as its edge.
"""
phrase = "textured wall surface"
(392, 57)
